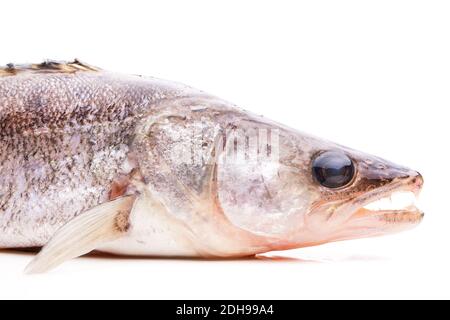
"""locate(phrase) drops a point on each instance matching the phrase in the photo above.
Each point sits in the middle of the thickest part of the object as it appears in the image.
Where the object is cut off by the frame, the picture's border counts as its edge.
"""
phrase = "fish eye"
(333, 169)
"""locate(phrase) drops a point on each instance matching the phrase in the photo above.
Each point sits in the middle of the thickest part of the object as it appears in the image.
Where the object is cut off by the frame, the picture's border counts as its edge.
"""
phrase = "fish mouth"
(388, 209)
(396, 207)
(391, 208)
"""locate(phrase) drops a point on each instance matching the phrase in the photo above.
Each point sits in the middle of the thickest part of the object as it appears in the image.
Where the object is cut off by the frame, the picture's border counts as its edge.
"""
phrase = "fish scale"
(64, 138)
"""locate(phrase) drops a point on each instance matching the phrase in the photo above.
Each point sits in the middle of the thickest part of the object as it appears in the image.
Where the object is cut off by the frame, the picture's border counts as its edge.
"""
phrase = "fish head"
(305, 191)
(242, 184)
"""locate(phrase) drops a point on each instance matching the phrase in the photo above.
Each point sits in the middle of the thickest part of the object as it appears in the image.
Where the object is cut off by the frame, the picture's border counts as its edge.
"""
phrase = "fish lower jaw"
(410, 215)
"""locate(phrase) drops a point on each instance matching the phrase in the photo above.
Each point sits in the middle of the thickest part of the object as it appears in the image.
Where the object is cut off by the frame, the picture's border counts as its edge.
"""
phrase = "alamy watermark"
(231, 146)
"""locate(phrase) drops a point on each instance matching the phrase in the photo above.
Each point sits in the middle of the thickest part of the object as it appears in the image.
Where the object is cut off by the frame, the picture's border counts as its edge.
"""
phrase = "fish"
(93, 160)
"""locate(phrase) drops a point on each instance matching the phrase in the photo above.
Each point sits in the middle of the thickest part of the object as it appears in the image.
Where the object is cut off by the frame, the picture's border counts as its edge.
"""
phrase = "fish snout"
(417, 180)
(375, 172)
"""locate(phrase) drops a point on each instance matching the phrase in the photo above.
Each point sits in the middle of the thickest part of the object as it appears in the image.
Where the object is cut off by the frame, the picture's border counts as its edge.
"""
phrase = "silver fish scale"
(63, 139)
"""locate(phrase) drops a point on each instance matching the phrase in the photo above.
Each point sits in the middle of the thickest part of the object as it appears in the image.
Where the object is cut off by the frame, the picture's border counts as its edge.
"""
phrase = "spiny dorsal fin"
(48, 66)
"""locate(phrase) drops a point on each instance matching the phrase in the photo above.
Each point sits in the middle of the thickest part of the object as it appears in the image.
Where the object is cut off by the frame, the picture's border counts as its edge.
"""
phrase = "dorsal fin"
(48, 66)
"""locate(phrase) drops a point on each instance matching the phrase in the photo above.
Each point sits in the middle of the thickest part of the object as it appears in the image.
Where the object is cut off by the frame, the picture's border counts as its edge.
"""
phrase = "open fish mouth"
(390, 209)
(399, 207)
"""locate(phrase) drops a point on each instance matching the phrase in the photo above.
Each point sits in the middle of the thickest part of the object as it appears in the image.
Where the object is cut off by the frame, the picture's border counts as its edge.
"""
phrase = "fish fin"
(49, 66)
(84, 233)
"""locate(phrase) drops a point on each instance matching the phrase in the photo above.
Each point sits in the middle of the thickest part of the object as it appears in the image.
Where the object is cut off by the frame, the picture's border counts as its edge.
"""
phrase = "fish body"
(94, 160)
(65, 137)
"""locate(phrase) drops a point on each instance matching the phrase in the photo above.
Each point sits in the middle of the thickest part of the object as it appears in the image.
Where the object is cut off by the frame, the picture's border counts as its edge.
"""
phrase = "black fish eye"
(333, 169)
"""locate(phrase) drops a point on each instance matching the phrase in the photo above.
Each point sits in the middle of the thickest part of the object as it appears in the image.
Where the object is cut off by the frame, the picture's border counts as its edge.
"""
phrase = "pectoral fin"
(84, 233)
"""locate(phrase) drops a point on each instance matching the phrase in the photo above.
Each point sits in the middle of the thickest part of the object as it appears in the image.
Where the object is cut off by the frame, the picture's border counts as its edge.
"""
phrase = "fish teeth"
(396, 201)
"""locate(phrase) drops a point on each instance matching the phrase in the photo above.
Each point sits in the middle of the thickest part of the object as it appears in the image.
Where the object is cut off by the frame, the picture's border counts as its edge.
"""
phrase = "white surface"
(373, 75)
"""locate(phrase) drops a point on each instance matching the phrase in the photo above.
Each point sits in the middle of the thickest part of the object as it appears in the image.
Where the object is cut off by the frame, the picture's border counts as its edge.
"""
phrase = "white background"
(373, 75)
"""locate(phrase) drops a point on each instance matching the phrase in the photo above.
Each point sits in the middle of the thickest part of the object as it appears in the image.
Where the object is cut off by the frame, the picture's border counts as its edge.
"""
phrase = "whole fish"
(129, 165)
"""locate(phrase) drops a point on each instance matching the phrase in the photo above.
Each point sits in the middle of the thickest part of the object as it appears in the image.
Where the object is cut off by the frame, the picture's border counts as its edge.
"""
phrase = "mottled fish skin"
(75, 139)
(64, 137)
